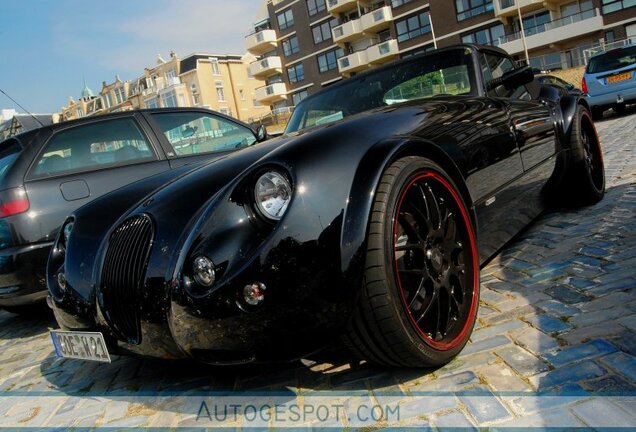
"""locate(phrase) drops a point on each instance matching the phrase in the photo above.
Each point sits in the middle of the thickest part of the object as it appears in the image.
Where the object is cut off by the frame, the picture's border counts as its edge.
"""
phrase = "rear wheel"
(418, 303)
(584, 181)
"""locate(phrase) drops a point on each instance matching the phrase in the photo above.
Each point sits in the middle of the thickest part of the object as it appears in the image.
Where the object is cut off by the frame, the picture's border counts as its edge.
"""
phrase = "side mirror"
(569, 87)
(261, 133)
(513, 79)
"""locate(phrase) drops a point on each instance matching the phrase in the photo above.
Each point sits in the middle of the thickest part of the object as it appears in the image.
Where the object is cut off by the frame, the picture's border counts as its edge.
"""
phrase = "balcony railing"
(347, 31)
(337, 6)
(261, 42)
(271, 93)
(266, 66)
(572, 19)
(353, 62)
(378, 19)
(382, 52)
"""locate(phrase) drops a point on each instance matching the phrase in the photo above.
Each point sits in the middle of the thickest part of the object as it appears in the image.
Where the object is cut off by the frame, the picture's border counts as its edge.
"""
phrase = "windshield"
(617, 59)
(443, 73)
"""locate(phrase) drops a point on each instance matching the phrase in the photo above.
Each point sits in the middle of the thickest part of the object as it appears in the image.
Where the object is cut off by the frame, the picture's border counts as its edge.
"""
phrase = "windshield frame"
(417, 62)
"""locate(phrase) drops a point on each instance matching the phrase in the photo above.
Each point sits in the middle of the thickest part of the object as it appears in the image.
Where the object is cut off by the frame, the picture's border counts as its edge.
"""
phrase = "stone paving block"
(496, 330)
(425, 406)
(522, 361)
(622, 363)
(463, 363)
(617, 286)
(585, 334)
(486, 408)
(629, 322)
(599, 317)
(514, 313)
(595, 348)
(610, 384)
(612, 300)
(581, 371)
(491, 297)
(566, 294)
(452, 383)
(501, 378)
(452, 421)
(580, 283)
(558, 309)
(603, 413)
(485, 344)
(625, 341)
(547, 324)
(527, 404)
(535, 340)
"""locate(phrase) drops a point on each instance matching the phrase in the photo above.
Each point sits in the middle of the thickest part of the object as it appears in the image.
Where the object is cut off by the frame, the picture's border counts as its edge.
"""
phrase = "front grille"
(123, 275)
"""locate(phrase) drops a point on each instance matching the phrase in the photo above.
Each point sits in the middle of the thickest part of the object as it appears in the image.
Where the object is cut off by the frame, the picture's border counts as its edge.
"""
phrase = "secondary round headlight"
(203, 271)
(273, 193)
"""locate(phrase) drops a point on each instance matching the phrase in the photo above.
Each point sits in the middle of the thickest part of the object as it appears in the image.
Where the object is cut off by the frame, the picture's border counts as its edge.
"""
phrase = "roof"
(189, 62)
(23, 123)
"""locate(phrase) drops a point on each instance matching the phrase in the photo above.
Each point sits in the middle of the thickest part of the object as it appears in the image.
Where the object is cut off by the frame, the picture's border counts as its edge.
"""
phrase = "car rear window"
(9, 151)
(611, 60)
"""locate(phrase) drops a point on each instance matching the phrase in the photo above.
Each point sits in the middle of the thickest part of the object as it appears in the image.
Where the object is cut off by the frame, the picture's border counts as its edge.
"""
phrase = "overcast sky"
(49, 47)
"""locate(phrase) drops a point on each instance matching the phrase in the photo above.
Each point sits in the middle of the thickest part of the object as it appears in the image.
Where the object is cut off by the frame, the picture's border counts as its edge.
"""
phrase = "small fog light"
(61, 280)
(254, 294)
(203, 271)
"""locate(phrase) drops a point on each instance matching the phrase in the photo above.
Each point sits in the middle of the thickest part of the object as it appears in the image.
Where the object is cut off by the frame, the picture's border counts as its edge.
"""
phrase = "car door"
(197, 136)
(83, 162)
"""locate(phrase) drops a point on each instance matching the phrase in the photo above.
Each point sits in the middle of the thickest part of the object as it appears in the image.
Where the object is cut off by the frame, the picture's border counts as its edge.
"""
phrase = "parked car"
(47, 173)
(610, 80)
(369, 218)
(559, 83)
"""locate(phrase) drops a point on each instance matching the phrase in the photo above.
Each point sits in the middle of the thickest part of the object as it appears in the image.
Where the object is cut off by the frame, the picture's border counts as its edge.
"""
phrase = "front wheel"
(418, 301)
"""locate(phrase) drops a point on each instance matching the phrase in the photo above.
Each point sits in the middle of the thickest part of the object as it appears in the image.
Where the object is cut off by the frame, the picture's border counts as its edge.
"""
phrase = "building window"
(108, 100)
(315, 6)
(120, 95)
(322, 32)
(285, 19)
(609, 36)
(79, 112)
(297, 97)
(616, 5)
(470, 8)
(398, 3)
(256, 103)
(151, 103)
(241, 94)
(486, 36)
(414, 26)
(169, 100)
(296, 73)
(216, 70)
(224, 111)
(220, 93)
(290, 46)
(171, 74)
(329, 60)
(533, 24)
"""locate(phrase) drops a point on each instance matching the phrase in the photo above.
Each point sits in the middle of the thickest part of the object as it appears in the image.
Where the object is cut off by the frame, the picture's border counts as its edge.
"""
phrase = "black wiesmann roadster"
(369, 219)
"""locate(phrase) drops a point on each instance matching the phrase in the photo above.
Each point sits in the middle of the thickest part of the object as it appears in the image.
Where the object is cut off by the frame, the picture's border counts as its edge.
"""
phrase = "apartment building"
(218, 82)
(304, 45)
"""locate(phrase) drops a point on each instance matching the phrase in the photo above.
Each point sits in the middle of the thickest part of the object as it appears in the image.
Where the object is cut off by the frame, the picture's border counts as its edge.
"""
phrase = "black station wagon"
(49, 172)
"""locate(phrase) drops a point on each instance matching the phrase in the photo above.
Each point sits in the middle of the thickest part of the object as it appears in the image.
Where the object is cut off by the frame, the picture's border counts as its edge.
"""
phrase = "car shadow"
(18, 326)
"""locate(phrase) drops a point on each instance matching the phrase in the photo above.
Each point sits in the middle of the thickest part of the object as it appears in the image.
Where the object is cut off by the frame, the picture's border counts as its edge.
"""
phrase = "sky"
(48, 48)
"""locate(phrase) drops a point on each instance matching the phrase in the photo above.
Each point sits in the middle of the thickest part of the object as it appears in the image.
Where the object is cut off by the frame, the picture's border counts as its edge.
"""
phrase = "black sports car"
(368, 219)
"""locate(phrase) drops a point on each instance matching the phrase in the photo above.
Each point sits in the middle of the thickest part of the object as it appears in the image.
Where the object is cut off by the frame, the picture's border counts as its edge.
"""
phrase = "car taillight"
(13, 201)
(584, 85)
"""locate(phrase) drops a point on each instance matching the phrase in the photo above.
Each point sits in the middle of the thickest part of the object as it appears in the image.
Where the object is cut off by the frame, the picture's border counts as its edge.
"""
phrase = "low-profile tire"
(420, 292)
(584, 180)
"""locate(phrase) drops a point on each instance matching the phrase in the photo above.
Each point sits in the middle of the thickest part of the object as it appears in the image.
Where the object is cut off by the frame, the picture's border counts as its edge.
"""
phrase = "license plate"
(80, 345)
(620, 77)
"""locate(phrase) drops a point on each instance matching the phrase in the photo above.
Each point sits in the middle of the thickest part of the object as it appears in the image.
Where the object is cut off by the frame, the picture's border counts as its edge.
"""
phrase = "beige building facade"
(222, 83)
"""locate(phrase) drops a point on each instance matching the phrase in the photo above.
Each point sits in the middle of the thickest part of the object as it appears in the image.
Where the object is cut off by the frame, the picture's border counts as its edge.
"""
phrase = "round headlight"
(273, 193)
(203, 271)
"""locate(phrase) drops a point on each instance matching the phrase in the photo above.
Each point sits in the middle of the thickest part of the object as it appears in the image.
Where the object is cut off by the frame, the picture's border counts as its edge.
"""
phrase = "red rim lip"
(442, 346)
(598, 141)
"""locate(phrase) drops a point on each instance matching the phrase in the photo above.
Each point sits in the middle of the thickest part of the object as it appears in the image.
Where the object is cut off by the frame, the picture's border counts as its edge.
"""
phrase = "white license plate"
(80, 345)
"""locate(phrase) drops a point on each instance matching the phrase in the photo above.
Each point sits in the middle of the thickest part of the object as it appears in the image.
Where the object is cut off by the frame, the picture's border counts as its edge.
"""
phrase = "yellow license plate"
(620, 77)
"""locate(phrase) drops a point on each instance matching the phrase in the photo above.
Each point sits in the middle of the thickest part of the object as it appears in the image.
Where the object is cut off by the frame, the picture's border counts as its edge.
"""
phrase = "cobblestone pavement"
(558, 316)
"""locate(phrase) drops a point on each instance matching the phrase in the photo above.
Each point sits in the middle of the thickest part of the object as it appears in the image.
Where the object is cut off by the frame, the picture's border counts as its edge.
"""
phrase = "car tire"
(583, 182)
(420, 291)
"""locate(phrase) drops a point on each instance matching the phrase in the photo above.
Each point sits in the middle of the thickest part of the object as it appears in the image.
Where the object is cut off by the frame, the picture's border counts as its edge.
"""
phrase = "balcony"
(353, 62)
(261, 42)
(347, 32)
(377, 20)
(508, 8)
(383, 52)
(553, 32)
(271, 93)
(266, 67)
(339, 6)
